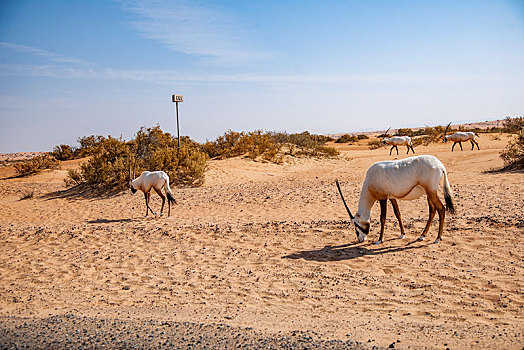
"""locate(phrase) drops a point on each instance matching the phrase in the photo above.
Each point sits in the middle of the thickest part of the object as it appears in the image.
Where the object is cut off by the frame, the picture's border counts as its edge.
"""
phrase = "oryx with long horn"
(396, 141)
(149, 180)
(459, 137)
(405, 179)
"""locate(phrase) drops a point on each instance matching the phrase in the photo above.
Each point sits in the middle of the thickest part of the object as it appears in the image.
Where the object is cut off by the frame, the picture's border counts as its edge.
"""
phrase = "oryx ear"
(343, 200)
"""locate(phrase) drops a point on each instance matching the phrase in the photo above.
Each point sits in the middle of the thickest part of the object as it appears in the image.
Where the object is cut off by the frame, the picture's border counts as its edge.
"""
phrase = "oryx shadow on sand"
(352, 251)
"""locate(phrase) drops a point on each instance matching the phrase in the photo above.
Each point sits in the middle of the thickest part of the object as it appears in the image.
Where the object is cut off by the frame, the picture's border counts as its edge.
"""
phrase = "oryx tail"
(447, 194)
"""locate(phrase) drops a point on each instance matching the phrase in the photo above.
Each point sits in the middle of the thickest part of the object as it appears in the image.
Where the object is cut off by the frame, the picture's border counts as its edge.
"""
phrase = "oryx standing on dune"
(460, 137)
(156, 180)
(405, 179)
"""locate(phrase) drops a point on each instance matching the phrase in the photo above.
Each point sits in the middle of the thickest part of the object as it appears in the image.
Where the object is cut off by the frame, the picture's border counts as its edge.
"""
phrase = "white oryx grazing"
(460, 137)
(156, 180)
(405, 179)
(399, 141)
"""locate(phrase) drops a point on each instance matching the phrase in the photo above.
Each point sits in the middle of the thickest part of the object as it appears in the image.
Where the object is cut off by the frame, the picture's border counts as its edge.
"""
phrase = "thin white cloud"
(174, 77)
(54, 57)
(187, 27)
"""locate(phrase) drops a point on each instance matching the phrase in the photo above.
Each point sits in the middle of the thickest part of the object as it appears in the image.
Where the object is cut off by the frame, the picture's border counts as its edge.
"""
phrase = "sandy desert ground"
(265, 250)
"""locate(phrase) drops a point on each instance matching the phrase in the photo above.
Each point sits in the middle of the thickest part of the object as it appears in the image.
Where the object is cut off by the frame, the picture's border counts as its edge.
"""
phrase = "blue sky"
(75, 68)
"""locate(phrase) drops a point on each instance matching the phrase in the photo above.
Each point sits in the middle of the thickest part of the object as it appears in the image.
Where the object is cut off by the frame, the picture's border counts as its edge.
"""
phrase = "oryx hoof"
(437, 240)
(402, 236)
(378, 242)
(421, 238)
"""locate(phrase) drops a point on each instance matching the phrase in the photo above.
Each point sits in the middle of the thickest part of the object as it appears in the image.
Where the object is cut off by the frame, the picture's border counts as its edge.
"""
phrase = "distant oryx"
(405, 179)
(398, 141)
(460, 137)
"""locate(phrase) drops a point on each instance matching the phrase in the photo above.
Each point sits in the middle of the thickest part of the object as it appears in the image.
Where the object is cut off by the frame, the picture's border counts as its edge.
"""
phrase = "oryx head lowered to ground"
(149, 180)
(405, 179)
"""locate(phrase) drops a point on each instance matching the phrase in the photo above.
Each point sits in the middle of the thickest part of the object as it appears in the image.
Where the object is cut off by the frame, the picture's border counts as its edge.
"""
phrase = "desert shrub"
(362, 137)
(513, 125)
(347, 139)
(152, 149)
(375, 144)
(417, 141)
(158, 150)
(404, 132)
(63, 152)
(109, 167)
(89, 145)
(74, 177)
(513, 154)
(36, 165)
(268, 145)
(231, 144)
(305, 144)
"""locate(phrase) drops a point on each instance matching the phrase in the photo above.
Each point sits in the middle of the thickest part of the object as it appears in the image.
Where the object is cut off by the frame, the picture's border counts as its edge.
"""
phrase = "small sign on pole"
(176, 99)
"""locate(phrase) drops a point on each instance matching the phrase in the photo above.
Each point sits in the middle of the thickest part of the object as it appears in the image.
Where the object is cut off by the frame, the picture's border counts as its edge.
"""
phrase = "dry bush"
(513, 125)
(109, 167)
(404, 132)
(152, 149)
(375, 144)
(36, 165)
(158, 150)
(270, 146)
(89, 145)
(347, 139)
(305, 144)
(513, 154)
(63, 152)
(362, 137)
(74, 177)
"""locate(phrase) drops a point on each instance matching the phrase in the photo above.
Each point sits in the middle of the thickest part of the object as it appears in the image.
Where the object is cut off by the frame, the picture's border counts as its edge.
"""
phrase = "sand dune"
(268, 247)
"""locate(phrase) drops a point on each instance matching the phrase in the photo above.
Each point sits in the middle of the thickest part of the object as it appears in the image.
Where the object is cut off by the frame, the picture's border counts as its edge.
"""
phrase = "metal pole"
(177, 126)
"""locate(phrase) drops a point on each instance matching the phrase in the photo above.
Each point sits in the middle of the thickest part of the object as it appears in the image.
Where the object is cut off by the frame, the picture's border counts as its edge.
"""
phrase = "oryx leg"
(148, 197)
(432, 211)
(433, 197)
(396, 210)
(408, 149)
(396, 147)
(473, 143)
(163, 200)
(391, 149)
(412, 149)
(383, 211)
(460, 144)
(453, 146)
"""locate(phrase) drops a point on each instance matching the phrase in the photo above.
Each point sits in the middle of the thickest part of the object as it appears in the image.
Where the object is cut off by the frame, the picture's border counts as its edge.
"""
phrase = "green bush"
(36, 165)
(513, 154)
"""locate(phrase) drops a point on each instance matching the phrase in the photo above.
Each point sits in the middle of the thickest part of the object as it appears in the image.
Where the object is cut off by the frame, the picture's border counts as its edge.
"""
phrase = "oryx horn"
(447, 127)
(343, 200)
